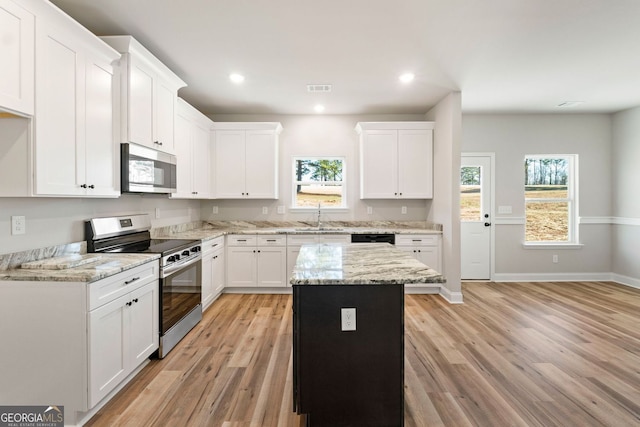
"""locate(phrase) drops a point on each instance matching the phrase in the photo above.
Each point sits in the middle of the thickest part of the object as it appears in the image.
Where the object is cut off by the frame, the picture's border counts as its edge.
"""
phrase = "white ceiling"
(503, 55)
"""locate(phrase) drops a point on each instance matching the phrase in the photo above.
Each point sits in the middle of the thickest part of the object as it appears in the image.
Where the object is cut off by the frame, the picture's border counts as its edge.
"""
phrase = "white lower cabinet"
(123, 329)
(256, 261)
(426, 248)
(74, 343)
(213, 270)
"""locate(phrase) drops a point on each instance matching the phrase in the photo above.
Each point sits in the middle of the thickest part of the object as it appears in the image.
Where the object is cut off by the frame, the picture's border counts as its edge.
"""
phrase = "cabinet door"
(272, 267)
(165, 99)
(201, 156)
(230, 164)
(379, 165)
(141, 111)
(102, 161)
(429, 255)
(261, 165)
(241, 266)
(219, 268)
(415, 164)
(108, 342)
(59, 152)
(17, 53)
(184, 156)
(207, 279)
(143, 323)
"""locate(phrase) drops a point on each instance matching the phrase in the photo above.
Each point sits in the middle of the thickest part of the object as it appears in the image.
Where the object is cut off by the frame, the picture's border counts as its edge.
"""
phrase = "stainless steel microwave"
(145, 170)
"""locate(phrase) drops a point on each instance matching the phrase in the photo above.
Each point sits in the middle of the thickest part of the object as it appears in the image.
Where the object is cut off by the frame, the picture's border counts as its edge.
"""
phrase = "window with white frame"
(551, 208)
(319, 181)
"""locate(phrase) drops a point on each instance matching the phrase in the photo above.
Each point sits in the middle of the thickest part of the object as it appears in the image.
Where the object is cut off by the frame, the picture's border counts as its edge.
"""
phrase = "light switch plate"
(348, 319)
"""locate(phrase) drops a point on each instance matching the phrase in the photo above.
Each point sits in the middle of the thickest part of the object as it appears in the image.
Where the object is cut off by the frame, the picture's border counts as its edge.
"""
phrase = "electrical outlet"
(555, 259)
(265, 210)
(18, 225)
(404, 210)
(157, 213)
(214, 210)
(348, 319)
(281, 209)
(369, 210)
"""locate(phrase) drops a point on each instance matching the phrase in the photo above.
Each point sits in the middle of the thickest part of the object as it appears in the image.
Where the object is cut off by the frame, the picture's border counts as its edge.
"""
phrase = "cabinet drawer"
(417, 239)
(241, 240)
(213, 244)
(107, 290)
(272, 240)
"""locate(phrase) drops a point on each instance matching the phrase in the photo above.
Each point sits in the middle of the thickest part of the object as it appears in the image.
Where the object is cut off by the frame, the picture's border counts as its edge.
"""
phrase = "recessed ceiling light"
(407, 77)
(319, 108)
(236, 78)
(570, 103)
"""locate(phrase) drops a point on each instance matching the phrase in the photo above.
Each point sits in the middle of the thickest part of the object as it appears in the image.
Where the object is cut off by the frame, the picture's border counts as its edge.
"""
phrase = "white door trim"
(492, 213)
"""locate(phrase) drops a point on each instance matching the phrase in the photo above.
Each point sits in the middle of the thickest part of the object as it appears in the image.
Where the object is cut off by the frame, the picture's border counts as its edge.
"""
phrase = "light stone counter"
(207, 230)
(104, 266)
(359, 264)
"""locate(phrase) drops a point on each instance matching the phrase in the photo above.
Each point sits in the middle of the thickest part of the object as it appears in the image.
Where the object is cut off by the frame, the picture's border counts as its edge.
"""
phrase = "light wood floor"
(514, 354)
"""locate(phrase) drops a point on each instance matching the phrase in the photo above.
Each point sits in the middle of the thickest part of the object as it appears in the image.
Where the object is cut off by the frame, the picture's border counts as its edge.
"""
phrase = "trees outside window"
(319, 180)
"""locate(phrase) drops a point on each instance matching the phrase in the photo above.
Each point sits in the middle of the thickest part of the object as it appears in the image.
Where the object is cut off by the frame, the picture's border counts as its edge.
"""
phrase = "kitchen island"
(348, 332)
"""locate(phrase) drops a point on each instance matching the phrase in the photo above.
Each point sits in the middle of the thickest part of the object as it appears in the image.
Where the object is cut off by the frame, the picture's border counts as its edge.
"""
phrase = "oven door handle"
(168, 271)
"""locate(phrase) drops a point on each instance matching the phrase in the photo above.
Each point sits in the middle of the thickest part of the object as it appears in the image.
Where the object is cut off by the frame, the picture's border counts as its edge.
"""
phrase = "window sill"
(552, 245)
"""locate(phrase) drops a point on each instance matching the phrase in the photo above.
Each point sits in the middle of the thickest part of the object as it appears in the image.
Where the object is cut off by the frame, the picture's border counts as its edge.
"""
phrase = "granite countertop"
(103, 266)
(359, 264)
(212, 229)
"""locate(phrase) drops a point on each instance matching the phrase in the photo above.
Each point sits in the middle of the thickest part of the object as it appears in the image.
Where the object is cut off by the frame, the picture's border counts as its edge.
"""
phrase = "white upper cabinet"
(149, 92)
(396, 160)
(75, 149)
(193, 152)
(17, 53)
(246, 160)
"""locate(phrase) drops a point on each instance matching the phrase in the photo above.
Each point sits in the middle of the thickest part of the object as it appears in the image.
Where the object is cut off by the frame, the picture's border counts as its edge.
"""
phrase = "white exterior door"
(475, 216)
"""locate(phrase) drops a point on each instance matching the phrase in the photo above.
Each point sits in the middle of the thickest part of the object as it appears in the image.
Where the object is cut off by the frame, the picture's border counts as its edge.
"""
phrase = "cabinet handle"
(128, 304)
(135, 300)
(92, 186)
(271, 240)
(214, 245)
(401, 194)
(416, 240)
(241, 240)
(83, 186)
(395, 194)
(258, 251)
(157, 142)
(128, 282)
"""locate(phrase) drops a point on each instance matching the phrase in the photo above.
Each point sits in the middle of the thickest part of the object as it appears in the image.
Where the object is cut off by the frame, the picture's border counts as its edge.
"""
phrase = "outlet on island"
(348, 319)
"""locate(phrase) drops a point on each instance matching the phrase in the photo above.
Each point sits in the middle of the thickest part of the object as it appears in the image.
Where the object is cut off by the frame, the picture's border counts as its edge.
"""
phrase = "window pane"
(547, 222)
(318, 181)
(470, 201)
(546, 192)
(327, 195)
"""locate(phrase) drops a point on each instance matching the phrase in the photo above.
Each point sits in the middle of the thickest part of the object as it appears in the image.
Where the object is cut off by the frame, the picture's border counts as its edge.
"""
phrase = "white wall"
(54, 221)
(446, 193)
(626, 202)
(317, 135)
(511, 137)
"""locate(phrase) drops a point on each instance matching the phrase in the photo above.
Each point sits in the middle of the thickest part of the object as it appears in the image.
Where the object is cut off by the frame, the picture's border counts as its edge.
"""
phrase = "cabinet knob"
(135, 300)
(128, 304)
(92, 186)
(83, 186)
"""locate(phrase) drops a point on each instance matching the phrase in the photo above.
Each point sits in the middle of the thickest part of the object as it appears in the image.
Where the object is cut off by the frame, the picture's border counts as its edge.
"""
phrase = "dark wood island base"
(349, 378)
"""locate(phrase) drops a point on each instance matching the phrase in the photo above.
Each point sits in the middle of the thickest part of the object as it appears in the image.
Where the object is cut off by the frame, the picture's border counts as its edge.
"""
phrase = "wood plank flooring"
(514, 354)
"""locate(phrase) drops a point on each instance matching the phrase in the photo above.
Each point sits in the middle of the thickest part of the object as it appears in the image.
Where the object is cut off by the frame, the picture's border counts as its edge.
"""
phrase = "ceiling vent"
(318, 88)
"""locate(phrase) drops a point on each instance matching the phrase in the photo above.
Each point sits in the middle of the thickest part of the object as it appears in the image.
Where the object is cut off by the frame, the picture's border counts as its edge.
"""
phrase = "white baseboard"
(451, 297)
(567, 277)
(626, 280)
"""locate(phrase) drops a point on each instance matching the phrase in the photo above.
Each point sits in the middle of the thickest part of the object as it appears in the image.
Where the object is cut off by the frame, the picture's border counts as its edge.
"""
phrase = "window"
(319, 180)
(550, 199)
(470, 193)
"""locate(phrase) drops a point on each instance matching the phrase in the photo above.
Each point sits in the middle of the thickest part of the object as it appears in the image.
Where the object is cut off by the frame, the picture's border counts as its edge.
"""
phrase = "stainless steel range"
(180, 270)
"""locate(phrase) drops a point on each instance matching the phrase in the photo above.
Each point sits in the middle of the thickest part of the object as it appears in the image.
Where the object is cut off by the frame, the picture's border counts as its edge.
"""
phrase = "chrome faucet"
(319, 223)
